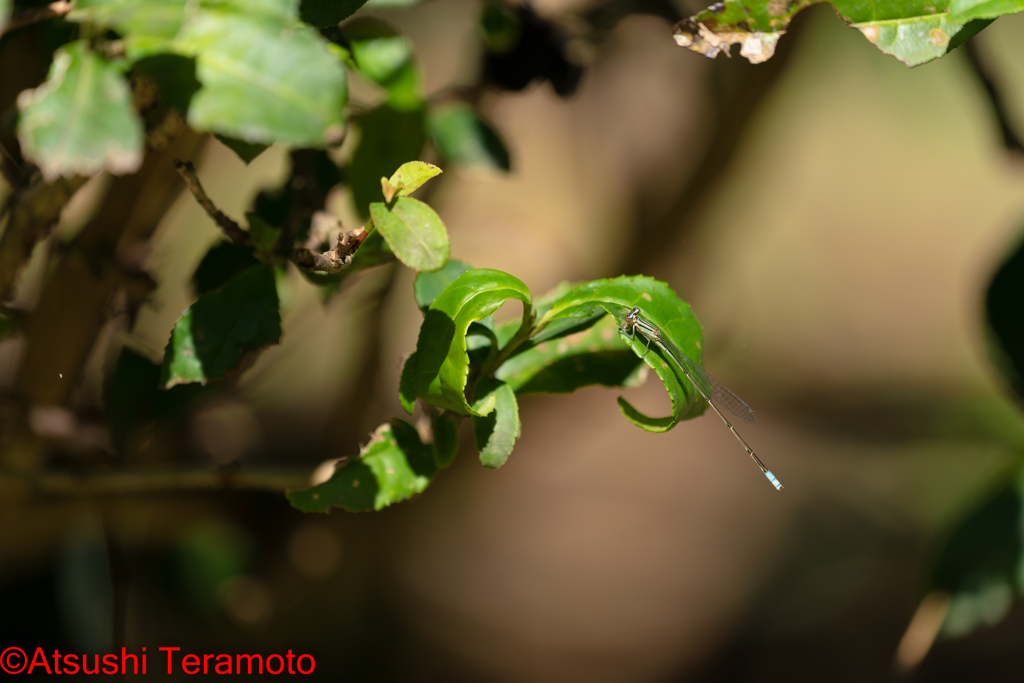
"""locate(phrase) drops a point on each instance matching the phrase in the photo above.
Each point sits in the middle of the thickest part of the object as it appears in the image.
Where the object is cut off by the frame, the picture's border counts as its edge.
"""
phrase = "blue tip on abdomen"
(775, 482)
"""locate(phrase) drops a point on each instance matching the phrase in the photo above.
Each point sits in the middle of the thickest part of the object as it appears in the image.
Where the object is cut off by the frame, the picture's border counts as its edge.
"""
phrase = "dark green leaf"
(913, 31)
(265, 78)
(446, 439)
(8, 327)
(660, 305)
(264, 236)
(81, 120)
(148, 26)
(427, 286)
(1003, 310)
(130, 398)
(394, 466)
(464, 138)
(407, 384)
(414, 232)
(175, 77)
(246, 151)
(223, 261)
(223, 329)
(597, 354)
(496, 433)
(388, 139)
(323, 13)
(442, 361)
(980, 564)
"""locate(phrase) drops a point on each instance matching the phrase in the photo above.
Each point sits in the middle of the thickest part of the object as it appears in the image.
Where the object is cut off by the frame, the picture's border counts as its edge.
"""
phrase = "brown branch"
(232, 229)
(127, 482)
(337, 259)
(37, 14)
(33, 213)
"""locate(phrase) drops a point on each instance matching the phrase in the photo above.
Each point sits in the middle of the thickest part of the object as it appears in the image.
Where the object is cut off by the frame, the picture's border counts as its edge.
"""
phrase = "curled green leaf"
(441, 370)
(662, 307)
(496, 432)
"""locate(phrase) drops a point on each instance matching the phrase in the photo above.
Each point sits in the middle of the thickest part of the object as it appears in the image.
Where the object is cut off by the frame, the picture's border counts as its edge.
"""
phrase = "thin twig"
(37, 14)
(1010, 139)
(232, 229)
(126, 482)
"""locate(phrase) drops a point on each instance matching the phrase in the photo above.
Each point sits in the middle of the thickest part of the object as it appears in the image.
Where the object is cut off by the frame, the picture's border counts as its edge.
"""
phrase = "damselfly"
(710, 388)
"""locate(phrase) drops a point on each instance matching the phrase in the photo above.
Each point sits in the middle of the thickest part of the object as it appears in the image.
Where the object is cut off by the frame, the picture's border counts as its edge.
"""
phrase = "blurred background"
(833, 217)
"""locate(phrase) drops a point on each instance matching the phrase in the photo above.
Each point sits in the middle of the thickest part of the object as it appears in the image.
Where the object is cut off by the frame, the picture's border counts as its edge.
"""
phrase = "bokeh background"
(834, 228)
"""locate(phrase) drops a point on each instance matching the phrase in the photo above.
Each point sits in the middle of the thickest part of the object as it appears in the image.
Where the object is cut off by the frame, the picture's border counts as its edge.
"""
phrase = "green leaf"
(394, 466)
(427, 286)
(148, 26)
(265, 78)
(597, 354)
(389, 138)
(914, 31)
(81, 120)
(5, 13)
(407, 384)
(414, 232)
(222, 261)
(981, 565)
(246, 151)
(324, 13)
(264, 236)
(968, 10)
(383, 56)
(446, 439)
(223, 329)
(441, 369)
(496, 433)
(1003, 311)
(663, 308)
(410, 176)
(175, 77)
(464, 138)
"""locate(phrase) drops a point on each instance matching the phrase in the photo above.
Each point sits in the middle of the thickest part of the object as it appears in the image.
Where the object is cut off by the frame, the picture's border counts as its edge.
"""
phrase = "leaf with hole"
(81, 120)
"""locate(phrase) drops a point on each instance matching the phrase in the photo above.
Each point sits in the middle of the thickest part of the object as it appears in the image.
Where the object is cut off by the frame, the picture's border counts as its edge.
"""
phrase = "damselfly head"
(632, 315)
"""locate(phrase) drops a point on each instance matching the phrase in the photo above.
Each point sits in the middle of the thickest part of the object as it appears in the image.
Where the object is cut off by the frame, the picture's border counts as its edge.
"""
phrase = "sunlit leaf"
(383, 56)
(388, 139)
(913, 31)
(660, 305)
(414, 232)
(81, 120)
(393, 466)
(223, 329)
(265, 78)
(148, 26)
(411, 175)
(496, 432)
(441, 369)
